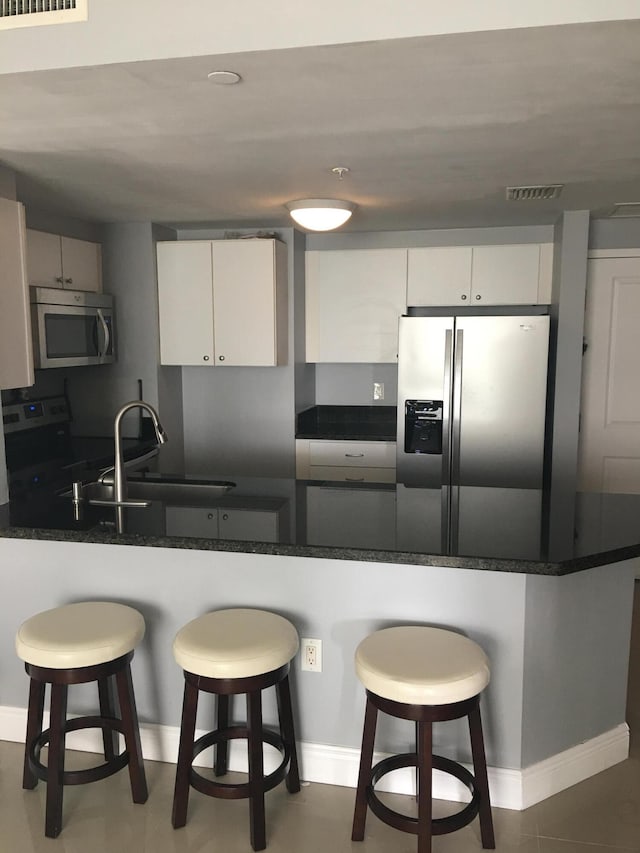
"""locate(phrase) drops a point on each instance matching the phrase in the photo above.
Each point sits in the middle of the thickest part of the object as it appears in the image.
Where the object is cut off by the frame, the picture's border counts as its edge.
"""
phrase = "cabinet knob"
(478, 297)
(463, 297)
(220, 358)
(205, 358)
(210, 515)
(225, 517)
(68, 281)
(59, 279)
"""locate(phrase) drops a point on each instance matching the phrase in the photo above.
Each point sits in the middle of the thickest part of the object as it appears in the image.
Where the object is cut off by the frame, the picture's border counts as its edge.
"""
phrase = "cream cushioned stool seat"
(229, 652)
(74, 644)
(426, 675)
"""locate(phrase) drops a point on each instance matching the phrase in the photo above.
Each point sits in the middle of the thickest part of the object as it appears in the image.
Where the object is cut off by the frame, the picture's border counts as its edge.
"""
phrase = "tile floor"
(600, 815)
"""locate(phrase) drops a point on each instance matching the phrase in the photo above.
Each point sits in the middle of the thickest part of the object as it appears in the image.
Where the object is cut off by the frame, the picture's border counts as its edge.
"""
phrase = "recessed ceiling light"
(224, 78)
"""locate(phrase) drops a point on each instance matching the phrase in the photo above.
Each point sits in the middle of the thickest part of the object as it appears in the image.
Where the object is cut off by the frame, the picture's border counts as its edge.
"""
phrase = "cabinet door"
(185, 302)
(353, 301)
(351, 518)
(196, 521)
(247, 302)
(81, 264)
(505, 275)
(44, 259)
(439, 276)
(249, 525)
(16, 349)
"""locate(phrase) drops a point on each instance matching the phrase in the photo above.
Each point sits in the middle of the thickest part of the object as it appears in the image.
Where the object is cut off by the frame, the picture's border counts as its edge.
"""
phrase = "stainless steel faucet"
(120, 483)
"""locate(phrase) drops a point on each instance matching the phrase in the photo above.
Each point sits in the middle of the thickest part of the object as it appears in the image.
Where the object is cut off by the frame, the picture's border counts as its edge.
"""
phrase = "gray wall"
(337, 601)
(565, 362)
(615, 233)
(576, 658)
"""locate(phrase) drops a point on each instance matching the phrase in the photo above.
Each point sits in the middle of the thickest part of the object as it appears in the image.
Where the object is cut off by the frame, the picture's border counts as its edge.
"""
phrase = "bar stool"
(225, 653)
(425, 675)
(76, 644)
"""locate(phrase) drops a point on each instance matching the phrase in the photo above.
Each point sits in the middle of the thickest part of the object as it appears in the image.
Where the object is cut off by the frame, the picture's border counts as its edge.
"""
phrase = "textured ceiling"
(433, 129)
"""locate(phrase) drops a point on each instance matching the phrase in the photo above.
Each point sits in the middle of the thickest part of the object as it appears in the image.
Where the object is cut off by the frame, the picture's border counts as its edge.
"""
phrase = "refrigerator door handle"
(446, 441)
(455, 439)
(446, 406)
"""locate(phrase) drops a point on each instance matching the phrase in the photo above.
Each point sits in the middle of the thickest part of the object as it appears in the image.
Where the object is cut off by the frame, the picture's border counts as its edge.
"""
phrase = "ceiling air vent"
(534, 193)
(32, 13)
(626, 209)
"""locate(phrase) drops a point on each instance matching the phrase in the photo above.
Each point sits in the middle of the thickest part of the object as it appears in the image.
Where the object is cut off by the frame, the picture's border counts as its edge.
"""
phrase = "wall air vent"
(534, 193)
(32, 13)
(626, 209)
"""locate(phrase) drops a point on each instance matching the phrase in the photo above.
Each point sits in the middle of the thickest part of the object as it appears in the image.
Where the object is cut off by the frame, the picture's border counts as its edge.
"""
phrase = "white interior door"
(609, 454)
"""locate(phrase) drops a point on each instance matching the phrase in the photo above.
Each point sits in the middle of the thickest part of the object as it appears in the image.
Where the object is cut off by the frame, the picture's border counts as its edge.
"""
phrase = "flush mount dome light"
(320, 214)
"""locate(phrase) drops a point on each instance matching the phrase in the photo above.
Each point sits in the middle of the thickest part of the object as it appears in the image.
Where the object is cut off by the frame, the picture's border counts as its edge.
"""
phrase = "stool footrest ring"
(439, 826)
(90, 774)
(226, 790)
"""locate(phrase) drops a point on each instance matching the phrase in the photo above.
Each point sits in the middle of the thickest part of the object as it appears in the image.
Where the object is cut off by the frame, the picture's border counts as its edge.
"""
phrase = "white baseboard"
(334, 765)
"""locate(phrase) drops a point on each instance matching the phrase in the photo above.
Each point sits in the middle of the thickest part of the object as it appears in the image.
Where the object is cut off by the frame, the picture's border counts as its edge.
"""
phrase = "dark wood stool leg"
(55, 764)
(364, 774)
(107, 710)
(287, 733)
(425, 803)
(482, 782)
(34, 727)
(129, 716)
(256, 771)
(222, 722)
(185, 756)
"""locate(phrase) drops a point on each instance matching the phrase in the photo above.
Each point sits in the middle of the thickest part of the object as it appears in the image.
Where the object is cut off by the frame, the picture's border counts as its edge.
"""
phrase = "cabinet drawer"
(340, 474)
(353, 454)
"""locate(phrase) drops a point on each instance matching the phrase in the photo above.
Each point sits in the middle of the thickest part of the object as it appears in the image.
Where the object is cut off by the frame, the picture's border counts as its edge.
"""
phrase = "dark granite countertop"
(348, 423)
(499, 529)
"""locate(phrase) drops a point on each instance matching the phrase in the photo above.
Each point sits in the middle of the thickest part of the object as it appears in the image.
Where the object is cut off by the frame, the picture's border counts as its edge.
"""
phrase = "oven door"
(72, 336)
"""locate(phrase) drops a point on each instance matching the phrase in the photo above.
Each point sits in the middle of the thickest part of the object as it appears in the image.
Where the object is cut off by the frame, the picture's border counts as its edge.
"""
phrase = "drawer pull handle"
(354, 479)
(354, 455)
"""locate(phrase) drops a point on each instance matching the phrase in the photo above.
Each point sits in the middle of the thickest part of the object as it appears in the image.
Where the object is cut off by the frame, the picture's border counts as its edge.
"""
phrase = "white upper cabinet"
(439, 276)
(480, 275)
(64, 262)
(353, 301)
(16, 349)
(223, 302)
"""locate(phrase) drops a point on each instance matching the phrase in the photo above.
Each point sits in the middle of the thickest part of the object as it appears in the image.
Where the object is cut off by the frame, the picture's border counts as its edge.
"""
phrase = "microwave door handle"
(106, 333)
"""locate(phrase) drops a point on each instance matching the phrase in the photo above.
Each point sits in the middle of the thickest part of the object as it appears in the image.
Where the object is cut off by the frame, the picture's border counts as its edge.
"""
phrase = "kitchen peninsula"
(555, 623)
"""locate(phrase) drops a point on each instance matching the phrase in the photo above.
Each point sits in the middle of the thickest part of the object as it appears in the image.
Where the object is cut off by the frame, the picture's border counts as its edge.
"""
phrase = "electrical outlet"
(378, 390)
(311, 655)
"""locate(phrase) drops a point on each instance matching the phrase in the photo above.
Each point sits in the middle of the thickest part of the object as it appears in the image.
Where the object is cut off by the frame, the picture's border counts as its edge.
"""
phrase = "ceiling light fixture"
(224, 78)
(320, 214)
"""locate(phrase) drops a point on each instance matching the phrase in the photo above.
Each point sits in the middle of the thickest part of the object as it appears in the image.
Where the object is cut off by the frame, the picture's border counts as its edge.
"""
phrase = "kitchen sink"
(167, 490)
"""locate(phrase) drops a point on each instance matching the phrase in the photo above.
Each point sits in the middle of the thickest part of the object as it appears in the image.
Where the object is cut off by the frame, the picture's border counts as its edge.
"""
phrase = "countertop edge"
(513, 566)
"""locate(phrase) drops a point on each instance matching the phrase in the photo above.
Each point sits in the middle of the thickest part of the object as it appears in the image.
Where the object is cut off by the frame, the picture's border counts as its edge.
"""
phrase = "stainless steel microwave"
(71, 328)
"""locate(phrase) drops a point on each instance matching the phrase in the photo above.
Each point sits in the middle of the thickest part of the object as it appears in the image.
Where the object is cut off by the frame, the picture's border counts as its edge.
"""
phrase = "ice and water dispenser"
(423, 426)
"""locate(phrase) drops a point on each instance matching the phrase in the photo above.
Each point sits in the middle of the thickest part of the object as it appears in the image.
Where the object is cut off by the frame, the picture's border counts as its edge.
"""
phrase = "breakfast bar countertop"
(499, 530)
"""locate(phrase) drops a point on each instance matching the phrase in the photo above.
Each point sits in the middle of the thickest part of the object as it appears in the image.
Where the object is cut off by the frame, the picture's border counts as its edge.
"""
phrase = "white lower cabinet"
(222, 302)
(243, 525)
(247, 525)
(199, 522)
(348, 461)
(351, 518)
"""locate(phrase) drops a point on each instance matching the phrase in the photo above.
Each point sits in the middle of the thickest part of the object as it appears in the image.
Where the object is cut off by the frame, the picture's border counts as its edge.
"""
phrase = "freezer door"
(499, 401)
(425, 358)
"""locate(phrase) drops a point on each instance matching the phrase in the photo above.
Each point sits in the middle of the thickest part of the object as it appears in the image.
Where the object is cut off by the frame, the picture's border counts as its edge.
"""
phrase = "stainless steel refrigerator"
(471, 411)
